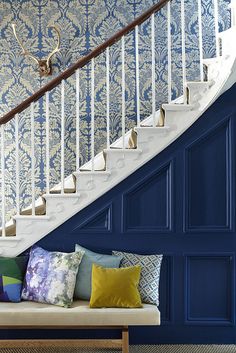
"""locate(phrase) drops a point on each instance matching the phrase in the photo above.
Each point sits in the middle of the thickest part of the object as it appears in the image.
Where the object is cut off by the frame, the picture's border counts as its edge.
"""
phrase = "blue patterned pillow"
(150, 274)
(50, 276)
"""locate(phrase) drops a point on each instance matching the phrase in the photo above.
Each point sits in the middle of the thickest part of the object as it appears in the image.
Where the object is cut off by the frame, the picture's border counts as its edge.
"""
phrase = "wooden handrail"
(82, 62)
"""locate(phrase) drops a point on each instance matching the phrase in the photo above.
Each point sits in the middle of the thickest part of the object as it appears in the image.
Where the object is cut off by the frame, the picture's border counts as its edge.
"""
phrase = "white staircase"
(117, 162)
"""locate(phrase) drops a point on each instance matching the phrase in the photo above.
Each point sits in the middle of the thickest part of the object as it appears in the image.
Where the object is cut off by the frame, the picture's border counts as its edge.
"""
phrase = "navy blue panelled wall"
(181, 204)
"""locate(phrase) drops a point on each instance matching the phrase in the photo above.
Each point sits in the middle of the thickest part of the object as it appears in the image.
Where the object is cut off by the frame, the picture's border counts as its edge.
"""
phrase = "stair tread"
(178, 106)
(199, 83)
(66, 191)
(152, 128)
(94, 172)
(44, 217)
(124, 150)
(59, 195)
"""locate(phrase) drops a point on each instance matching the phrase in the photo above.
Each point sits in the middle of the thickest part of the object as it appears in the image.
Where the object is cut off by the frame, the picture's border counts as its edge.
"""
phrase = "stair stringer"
(120, 163)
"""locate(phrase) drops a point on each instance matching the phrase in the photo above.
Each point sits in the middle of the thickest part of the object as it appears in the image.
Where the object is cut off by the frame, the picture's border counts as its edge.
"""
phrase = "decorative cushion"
(12, 272)
(150, 274)
(115, 287)
(83, 281)
(50, 276)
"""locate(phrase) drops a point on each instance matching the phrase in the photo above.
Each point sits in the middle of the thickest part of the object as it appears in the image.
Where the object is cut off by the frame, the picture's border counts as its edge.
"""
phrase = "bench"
(31, 315)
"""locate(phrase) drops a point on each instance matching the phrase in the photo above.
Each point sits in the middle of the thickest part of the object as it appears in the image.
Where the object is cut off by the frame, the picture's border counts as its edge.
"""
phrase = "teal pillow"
(12, 273)
(84, 276)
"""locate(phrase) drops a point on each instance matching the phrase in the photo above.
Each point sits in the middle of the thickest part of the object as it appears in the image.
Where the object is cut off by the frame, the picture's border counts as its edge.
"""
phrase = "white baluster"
(123, 89)
(200, 38)
(47, 145)
(183, 46)
(3, 182)
(92, 113)
(137, 74)
(216, 15)
(108, 95)
(77, 129)
(17, 165)
(169, 52)
(153, 68)
(62, 137)
(32, 158)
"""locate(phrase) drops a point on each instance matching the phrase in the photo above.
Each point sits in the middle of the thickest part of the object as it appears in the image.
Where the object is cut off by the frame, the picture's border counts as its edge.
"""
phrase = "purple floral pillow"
(50, 276)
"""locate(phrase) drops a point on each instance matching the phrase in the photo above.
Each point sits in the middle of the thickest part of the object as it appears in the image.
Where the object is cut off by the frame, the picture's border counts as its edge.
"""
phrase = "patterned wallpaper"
(84, 24)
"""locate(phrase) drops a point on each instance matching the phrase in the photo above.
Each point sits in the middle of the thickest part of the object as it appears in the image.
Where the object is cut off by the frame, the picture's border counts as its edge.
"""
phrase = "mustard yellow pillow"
(115, 287)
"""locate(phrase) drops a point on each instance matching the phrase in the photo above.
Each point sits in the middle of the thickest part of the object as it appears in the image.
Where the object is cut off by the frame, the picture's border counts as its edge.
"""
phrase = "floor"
(135, 349)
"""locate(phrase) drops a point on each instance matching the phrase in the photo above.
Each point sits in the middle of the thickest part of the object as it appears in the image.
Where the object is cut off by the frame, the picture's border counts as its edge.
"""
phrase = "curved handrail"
(82, 62)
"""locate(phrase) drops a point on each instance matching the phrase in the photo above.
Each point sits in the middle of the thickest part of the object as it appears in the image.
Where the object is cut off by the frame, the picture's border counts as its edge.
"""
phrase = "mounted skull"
(45, 65)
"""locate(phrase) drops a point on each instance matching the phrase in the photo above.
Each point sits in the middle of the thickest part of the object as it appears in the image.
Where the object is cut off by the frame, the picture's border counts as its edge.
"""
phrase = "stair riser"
(10, 247)
(118, 160)
(87, 182)
(145, 136)
(196, 92)
(176, 119)
(228, 44)
(61, 206)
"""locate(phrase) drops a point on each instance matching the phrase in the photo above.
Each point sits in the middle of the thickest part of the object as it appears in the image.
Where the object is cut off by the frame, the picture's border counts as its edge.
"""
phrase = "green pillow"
(84, 275)
(12, 272)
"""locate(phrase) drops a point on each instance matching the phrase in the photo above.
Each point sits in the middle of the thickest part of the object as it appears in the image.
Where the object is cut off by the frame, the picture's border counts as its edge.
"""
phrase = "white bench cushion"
(36, 314)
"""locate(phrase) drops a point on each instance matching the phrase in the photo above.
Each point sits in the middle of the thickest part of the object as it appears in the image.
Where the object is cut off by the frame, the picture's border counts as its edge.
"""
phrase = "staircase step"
(175, 114)
(31, 218)
(152, 130)
(200, 84)
(177, 107)
(196, 90)
(61, 203)
(26, 225)
(228, 43)
(9, 245)
(66, 191)
(88, 180)
(120, 158)
(213, 61)
(146, 134)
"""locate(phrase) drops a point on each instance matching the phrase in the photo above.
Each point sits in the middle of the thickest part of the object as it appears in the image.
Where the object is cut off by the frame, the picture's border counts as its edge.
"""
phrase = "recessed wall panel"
(99, 222)
(147, 206)
(209, 286)
(208, 182)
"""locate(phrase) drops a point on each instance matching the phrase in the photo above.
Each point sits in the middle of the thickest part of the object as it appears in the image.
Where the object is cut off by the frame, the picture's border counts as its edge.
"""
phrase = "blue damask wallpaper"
(84, 24)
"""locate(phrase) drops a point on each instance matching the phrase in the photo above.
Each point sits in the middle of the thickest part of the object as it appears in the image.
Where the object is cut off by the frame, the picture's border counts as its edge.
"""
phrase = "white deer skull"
(45, 65)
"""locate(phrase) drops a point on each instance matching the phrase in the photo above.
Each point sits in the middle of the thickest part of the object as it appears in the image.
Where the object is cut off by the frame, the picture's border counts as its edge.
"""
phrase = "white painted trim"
(47, 172)
(62, 135)
(3, 181)
(123, 89)
(92, 113)
(17, 164)
(153, 69)
(200, 39)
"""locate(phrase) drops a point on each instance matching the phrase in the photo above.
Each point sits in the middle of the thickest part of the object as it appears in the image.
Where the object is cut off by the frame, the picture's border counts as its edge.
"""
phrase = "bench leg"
(125, 339)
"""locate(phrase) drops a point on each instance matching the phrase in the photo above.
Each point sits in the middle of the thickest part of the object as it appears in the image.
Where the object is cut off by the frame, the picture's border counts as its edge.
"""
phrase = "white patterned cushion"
(150, 274)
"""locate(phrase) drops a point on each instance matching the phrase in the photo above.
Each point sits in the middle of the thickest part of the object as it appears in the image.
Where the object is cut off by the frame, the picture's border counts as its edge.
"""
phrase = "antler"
(57, 46)
(25, 51)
